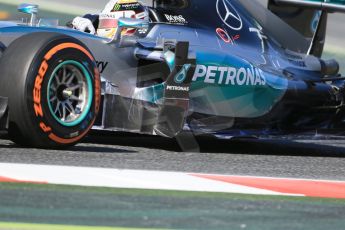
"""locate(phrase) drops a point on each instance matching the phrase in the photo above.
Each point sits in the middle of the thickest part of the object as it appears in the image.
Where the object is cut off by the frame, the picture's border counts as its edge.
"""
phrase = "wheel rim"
(70, 93)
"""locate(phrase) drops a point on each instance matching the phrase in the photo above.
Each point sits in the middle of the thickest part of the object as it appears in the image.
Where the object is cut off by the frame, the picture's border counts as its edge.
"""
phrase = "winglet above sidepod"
(174, 110)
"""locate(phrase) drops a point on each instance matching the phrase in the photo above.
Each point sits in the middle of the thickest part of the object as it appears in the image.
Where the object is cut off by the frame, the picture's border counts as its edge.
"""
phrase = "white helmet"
(115, 9)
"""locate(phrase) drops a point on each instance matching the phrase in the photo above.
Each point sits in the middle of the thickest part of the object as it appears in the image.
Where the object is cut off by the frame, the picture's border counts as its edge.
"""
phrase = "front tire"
(53, 86)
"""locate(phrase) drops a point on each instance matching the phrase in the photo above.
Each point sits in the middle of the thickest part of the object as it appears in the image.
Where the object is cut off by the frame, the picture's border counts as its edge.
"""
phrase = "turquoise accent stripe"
(246, 100)
(150, 94)
(170, 59)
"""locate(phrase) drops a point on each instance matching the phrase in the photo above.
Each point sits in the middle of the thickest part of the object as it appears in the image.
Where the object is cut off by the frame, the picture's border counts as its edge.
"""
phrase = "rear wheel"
(53, 86)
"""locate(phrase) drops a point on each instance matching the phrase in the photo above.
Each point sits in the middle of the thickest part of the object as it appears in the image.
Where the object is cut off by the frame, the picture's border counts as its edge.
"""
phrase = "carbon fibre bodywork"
(212, 67)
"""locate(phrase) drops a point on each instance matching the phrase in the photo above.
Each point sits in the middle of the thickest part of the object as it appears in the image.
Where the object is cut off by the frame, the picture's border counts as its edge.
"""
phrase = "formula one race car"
(219, 67)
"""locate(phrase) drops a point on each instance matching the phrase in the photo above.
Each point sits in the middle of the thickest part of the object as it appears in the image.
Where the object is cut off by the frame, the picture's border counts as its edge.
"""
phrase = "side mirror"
(29, 9)
(124, 23)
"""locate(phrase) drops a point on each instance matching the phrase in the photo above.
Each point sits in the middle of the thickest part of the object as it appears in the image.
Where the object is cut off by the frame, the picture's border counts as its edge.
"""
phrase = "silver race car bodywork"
(254, 75)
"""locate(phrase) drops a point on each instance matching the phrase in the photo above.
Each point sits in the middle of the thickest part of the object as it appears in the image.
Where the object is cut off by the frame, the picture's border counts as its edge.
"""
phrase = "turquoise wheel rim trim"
(70, 93)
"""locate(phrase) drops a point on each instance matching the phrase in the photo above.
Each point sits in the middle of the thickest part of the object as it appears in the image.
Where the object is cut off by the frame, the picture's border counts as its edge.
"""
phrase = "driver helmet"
(115, 9)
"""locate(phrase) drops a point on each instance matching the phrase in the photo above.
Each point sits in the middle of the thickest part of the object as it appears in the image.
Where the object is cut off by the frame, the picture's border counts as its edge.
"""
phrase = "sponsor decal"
(142, 30)
(177, 88)
(125, 6)
(228, 14)
(224, 35)
(228, 75)
(117, 7)
(101, 65)
(182, 75)
(37, 89)
(108, 15)
(315, 21)
(130, 6)
(175, 19)
(236, 37)
(299, 63)
(179, 78)
(141, 15)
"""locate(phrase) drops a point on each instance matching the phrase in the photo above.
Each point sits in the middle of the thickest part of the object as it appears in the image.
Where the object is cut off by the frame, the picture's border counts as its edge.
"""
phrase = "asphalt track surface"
(84, 206)
(79, 206)
(324, 159)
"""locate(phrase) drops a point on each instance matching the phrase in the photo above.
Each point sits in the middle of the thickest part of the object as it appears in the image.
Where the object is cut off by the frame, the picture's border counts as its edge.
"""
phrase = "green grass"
(130, 208)
(25, 226)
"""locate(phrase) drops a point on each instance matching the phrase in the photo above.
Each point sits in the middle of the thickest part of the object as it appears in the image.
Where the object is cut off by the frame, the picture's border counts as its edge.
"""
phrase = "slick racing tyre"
(53, 87)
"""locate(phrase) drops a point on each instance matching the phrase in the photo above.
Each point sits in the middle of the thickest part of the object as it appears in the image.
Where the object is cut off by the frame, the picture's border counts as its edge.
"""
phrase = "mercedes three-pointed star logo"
(229, 15)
